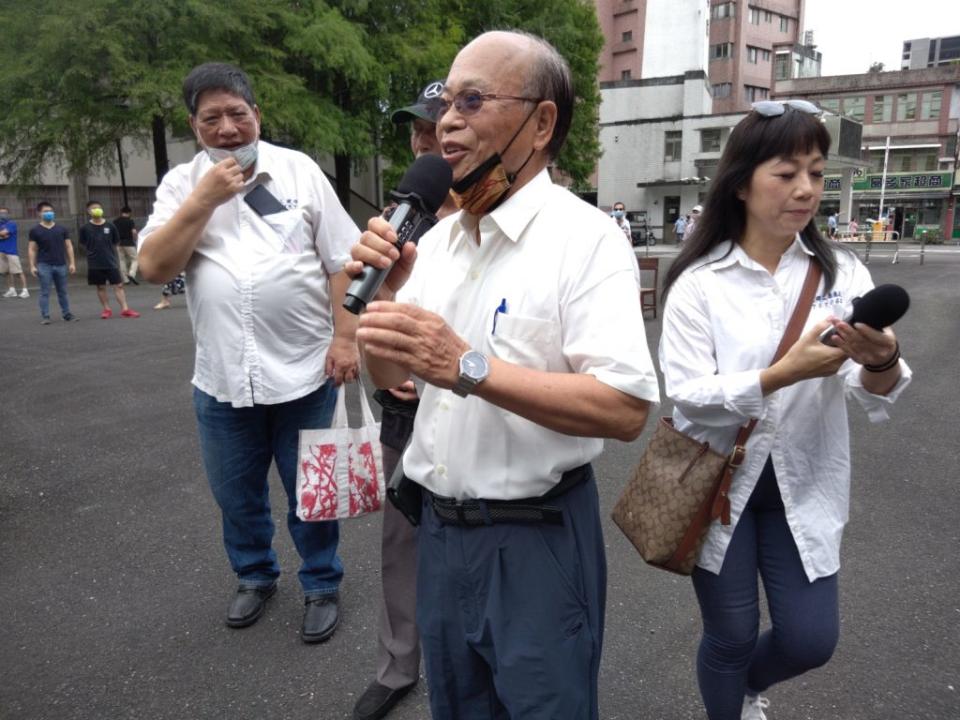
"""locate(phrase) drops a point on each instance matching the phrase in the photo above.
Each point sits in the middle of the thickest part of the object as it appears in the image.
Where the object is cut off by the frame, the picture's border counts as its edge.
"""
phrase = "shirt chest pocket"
(527, 341)
(292, 231)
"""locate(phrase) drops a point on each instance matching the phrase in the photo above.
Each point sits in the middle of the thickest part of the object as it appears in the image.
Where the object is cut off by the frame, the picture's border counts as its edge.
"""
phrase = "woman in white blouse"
(730, 294)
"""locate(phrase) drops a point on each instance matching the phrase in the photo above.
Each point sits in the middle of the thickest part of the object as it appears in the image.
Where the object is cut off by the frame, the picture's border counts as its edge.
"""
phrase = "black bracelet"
(883, 367)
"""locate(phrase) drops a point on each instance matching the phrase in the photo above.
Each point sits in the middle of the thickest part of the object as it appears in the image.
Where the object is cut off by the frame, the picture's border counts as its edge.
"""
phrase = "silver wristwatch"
(474, 368)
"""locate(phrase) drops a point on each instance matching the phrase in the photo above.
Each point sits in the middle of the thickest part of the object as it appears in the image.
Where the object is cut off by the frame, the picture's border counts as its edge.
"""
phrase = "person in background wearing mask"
(100, 239)
(10, 256)
(620, 215)
(398, 640)
(127, 248)
(679, 227)
(51, 258)
(273, 342)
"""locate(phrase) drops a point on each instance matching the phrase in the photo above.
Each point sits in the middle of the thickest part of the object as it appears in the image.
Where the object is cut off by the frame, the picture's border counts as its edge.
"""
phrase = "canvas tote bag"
(340, 469)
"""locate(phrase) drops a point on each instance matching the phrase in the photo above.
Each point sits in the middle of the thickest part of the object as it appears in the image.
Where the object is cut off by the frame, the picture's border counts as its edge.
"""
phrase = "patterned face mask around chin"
(245, 155)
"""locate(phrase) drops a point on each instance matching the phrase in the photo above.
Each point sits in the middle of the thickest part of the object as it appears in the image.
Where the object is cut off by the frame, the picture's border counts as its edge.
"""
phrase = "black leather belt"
(474, 512)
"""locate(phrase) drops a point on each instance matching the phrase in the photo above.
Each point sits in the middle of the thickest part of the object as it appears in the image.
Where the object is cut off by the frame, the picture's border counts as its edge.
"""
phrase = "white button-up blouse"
(723, 320)
(551, 286)
(258, 287)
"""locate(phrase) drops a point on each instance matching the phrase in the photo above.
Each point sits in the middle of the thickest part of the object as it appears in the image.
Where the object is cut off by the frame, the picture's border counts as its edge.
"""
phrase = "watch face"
(474, 365)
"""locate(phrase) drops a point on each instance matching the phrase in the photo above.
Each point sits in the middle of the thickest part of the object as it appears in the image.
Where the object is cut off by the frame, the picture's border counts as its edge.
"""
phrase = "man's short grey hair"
(215, 76)
(549, 78)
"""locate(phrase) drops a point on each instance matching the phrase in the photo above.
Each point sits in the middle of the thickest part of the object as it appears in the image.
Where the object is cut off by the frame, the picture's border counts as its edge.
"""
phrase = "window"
(723, 10)
(672, 145)
(754, 93)
(882, 108)
(721, 51)
(781, 67)
(930, 107)
(831, 105)
(765, 55)
(753, 16)
(624, 74)
(767, 16)
(906, 106)
(722, 90)
(853, 107)
(710, 140)
(755, 54)
(784, 24)
(627, 36)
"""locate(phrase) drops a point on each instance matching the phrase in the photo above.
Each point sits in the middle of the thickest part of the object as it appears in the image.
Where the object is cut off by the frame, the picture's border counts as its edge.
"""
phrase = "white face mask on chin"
(245, 155)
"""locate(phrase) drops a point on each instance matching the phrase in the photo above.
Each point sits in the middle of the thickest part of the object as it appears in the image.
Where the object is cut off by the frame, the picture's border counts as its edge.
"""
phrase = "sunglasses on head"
(775, 108)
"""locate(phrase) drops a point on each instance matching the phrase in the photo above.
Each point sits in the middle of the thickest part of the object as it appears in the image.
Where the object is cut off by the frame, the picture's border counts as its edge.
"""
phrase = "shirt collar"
(722, 256)
(513, 216)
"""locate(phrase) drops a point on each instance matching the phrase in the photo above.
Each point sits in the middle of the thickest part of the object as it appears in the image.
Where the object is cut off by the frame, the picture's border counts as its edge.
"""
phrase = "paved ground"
(114, 583)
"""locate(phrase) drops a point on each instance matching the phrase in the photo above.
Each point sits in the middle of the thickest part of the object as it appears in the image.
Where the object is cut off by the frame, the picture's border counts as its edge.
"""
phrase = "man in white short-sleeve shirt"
(263, 240)
(521, 315)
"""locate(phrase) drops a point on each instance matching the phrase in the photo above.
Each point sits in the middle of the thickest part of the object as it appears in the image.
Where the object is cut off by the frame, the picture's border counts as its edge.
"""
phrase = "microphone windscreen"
(430, 178)
(881, 307)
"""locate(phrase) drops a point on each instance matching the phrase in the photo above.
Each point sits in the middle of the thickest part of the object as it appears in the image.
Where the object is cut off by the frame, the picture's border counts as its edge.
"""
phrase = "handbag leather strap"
(719, 505)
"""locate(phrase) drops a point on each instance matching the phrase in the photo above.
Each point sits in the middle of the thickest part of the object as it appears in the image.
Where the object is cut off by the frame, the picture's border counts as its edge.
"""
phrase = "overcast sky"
(852, 34)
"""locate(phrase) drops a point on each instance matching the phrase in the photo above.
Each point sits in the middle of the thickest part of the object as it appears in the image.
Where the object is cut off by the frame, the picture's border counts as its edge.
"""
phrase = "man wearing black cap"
(398, 653)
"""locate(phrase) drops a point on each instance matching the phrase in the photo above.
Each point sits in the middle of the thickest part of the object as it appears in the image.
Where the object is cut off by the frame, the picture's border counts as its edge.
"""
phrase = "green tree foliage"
(327, 73)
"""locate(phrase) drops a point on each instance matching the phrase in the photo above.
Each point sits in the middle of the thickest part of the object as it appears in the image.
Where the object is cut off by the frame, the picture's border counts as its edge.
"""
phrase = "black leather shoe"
(378, 700)
(320, 618)
(248, 604)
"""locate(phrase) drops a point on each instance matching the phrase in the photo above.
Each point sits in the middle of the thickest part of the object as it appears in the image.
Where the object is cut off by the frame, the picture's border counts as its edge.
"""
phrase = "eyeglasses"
(469, 102)
(775, 108)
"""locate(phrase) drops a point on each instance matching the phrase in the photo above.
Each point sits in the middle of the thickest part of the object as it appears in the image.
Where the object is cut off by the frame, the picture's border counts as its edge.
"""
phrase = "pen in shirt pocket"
(502, 308)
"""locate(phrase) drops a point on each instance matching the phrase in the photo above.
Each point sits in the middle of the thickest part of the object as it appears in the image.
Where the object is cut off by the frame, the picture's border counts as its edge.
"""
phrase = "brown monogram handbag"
(681, 485)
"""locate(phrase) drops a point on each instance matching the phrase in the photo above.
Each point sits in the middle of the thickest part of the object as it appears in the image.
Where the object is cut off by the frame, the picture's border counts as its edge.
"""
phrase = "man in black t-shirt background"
(101, 239)
(51, 257)
(127, 248)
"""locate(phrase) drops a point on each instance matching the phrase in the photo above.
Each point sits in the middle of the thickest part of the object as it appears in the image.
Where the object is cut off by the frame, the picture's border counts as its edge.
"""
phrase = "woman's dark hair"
(215, 76)
(753, 141)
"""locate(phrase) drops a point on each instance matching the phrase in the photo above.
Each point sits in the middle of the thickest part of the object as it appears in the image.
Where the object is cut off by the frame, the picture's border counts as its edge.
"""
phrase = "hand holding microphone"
(873, 343)
(419, 195)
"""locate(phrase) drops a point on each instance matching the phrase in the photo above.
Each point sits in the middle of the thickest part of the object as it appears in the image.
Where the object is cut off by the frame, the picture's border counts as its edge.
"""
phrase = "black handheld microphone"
(419, 195)
(879, 308)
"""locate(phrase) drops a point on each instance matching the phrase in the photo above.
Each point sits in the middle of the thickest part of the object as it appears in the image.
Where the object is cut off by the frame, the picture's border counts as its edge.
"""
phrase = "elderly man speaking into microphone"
(522, 316)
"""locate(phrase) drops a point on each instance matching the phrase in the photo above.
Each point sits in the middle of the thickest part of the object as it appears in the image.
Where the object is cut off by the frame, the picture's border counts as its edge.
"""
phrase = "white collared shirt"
(258, 288)
(722, 322)
(568, 285)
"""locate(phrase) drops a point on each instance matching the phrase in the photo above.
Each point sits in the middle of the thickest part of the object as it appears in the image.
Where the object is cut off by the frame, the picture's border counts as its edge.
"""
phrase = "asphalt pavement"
(114, 583)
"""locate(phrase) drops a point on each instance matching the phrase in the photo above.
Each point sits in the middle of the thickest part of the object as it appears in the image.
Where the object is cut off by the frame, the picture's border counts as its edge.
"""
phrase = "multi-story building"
(930, 52)
(653, 76)
(675, 77)
(910, 129)
(744, 37)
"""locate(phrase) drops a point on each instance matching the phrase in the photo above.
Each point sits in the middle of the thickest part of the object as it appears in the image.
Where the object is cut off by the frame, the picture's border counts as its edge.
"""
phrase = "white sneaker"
(753, 708)
(11, 292)
(24, 293)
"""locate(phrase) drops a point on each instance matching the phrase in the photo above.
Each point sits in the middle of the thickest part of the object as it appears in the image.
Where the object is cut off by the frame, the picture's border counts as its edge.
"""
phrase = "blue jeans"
(511, 615)
(805, 616)
(56, 274)
(238, 445)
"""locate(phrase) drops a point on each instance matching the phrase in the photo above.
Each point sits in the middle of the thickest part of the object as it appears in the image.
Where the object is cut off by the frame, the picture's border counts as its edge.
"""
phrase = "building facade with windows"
(744, 37)
(930, 52)
(914, 172)
(653, 75)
